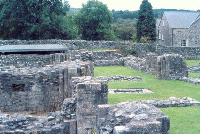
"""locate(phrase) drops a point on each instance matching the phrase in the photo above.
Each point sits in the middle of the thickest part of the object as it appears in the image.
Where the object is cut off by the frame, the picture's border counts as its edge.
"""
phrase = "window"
(162, 37)
(18, 87)
(183, 42)
(163, 23)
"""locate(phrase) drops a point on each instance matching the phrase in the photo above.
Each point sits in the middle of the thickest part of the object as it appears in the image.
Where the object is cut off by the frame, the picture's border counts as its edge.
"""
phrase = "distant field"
(183, 120)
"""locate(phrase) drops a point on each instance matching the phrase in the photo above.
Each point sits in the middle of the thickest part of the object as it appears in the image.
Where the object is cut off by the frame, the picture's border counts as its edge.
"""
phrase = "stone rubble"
(130, 91)
(132, 117)
(123, 78)
(194, 81)
(172, 102)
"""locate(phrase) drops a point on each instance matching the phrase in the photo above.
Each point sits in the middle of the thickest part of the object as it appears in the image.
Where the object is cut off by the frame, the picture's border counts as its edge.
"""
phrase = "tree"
(32, 19)
(94, 21)
(146, 26)
(124, 32)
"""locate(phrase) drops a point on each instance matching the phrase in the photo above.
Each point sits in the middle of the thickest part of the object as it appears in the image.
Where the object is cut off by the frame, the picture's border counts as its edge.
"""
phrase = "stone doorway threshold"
(130, 91)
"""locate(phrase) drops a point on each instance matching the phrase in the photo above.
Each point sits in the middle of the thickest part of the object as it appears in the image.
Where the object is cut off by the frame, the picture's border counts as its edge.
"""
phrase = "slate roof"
(32, 48)
(180, 19)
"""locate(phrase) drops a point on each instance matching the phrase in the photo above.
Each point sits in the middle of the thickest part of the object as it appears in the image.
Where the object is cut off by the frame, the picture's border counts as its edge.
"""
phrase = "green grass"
(183, 120)
(194, 75)
(192, 62)
(163, 89)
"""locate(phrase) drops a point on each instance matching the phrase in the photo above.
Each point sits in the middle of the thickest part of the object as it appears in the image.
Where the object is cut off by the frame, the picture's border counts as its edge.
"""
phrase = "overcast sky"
(133, 5)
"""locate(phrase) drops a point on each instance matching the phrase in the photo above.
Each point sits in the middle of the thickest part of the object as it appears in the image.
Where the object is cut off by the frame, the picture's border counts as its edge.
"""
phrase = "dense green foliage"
(146, 26)
(124, 14)
(124, 29)
(182, 120)
(94, 21)
(124, 32)
(53, 19)
(33, 19)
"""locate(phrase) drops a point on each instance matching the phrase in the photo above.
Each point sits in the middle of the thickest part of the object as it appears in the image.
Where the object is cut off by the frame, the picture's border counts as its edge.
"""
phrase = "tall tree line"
(48, 19)
(32, 19)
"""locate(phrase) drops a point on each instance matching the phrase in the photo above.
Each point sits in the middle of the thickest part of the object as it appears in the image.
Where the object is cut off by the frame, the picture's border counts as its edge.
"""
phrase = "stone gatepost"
(89, 97)
(151, 63)
(171, 66)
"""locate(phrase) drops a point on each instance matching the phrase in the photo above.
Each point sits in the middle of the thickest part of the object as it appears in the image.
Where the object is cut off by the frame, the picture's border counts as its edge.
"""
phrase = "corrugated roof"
(32, 48)
(180, 19)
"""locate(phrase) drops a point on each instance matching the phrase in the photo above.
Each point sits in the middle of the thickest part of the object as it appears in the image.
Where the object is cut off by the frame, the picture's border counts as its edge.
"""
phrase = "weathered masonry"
(39, 89)
(63, 82)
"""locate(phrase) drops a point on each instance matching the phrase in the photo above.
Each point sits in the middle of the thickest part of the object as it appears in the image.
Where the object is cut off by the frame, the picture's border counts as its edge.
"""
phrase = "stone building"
(179, 29)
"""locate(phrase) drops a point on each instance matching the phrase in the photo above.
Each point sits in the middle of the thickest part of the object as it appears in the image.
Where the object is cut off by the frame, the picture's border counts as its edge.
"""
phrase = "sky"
(133, 5)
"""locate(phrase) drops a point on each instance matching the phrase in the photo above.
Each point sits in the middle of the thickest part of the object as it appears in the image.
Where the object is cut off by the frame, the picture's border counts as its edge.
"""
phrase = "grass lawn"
(192, 62)
(163, 89)
(183, 120)
(194, 75)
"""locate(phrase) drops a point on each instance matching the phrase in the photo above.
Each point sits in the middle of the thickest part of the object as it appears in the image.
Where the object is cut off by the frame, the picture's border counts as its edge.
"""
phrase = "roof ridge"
(196, 19)
(181, 19)
(183, 11)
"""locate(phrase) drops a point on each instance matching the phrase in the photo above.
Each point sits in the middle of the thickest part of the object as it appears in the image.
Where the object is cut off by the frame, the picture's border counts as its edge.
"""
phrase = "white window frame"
(162, 37)
(184, 42)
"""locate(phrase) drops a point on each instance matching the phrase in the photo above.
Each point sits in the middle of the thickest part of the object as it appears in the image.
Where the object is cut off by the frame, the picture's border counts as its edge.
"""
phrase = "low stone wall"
(123, 78)
(32, 60)
(194, 69)
(172, 102)
(21, 124)
(103, 58)
(194, 81)
(187, 52)
(140, 48)
(135, 63)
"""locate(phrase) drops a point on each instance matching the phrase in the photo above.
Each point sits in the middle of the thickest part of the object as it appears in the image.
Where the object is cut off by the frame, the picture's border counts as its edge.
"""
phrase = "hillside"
(132, 14)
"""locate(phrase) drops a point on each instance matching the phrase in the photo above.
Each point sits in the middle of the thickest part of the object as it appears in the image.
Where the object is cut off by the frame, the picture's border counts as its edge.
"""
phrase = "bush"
(124, 51)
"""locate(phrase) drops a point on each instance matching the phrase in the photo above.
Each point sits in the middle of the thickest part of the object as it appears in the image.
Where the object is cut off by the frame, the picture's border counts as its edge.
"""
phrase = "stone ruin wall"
(32, 60)
(39, 89)
(167, 66)
(171, 66)
(84, 94)
(100, 58)
(140, 48)
(89, 112)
